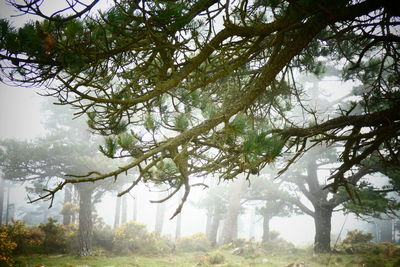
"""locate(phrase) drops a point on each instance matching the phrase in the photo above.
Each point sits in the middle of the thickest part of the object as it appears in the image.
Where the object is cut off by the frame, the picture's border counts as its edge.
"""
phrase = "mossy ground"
(203, 260)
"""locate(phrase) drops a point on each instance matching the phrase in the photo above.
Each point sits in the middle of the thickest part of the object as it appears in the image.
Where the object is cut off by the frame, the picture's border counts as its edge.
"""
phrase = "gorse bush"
(216, 258)
(356, 237)
(357, 242)
(196, 242)
(278, 246)
(27, 239)
(132, 237)
(6, 249)
(55, 236)
(51, 237)
(244, 248)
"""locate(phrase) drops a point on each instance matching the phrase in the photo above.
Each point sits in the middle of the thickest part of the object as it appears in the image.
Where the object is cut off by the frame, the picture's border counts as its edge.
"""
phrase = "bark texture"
(231, 220)
(322, 220)
(85, 229)
(216, 218)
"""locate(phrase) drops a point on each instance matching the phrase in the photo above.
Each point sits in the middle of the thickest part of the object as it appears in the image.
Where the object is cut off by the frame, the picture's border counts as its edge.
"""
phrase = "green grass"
(202, 260)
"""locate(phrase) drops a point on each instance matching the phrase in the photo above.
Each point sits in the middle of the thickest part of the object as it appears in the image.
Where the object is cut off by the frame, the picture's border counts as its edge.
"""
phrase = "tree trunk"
(266, 232)
(322, 220)
(67, 199)
(123, 210)
(8, 204)
(85, 229)
(159, 217)
(178, 226)
(117, 212)
(386, 231)
(252, 223)
(134, 215)
(216, 218)
(2, 189)
(230, 229)
(208, 224)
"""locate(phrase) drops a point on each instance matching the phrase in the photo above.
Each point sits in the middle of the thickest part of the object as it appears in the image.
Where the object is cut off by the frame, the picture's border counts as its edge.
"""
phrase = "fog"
(21, 117)
(24, 117)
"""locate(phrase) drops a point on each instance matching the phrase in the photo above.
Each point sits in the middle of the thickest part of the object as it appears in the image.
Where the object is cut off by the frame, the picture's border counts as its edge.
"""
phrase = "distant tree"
(160, 215)
(178, 227)
(124, 209)
(186, 75)
(120, 216)
(135, 208)
(2, 189)
(230, 228)
(45, 162)
(265, 189)
(69, 207)
(117, 213)
(215, 202)
(305, 180)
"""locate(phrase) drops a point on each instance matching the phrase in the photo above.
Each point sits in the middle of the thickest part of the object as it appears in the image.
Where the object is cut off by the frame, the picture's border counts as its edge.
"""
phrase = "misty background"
(21, 117)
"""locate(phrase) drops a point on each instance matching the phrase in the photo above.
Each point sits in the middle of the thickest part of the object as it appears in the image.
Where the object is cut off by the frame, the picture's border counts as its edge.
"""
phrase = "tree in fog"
(46, 161)
(6, 159)
(206, 84)
(160, 215)
(267, 191)
(230, 227)
(121, 209)
(215, 203)
(304, 180)
(2, 192)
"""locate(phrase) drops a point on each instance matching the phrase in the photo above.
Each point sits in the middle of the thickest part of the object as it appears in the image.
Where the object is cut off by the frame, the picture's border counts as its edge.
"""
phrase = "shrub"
(388, 250)
(356, 237)
(244, 248)
(103, 237)
(55, 236)
(6, 249)
(132, 237)
(239, 242)
(278, 246)
(216, 258)
(71, 236)
(273, 235)
(26, 238)
(34, 241)
(357, 242)
(373, 262)
(196, 242)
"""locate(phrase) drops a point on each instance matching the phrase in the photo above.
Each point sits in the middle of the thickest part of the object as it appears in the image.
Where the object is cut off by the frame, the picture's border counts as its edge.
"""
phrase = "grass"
(203, 260)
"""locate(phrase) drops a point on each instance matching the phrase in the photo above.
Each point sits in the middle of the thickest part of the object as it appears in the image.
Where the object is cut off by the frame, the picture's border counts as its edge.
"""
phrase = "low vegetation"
(53, 244)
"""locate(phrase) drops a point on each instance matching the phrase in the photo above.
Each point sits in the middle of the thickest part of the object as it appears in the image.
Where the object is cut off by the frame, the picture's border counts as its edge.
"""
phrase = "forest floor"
(210, 259)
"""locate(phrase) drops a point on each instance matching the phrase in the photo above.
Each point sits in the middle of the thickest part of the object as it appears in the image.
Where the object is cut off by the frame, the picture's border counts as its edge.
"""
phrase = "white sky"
(20, 115)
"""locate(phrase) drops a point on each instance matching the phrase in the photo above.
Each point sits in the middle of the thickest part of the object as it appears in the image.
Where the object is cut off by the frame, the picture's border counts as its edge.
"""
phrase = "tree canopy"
(187, 88)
